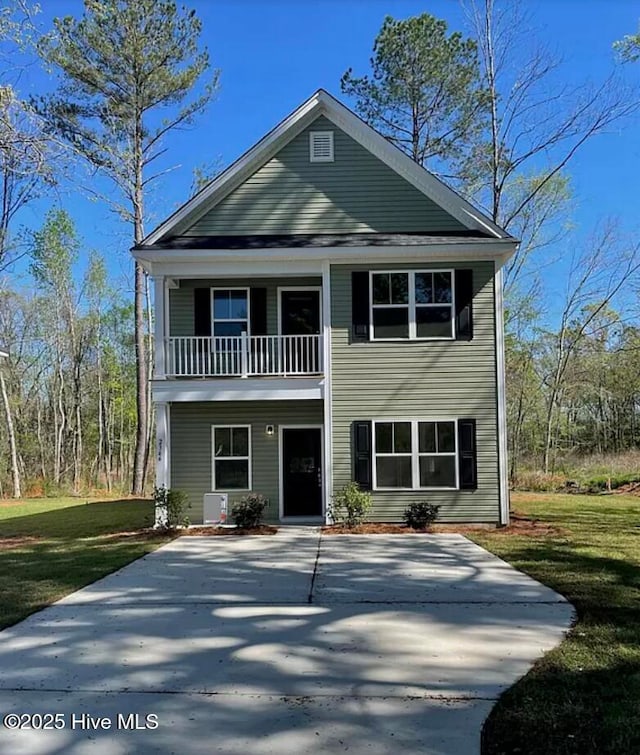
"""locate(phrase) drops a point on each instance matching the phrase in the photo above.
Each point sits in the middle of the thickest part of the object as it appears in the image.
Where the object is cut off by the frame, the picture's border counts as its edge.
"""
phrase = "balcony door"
(300, 322)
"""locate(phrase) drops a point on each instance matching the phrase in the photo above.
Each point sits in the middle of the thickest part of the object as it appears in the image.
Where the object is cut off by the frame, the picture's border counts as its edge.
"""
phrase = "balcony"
(243, 356)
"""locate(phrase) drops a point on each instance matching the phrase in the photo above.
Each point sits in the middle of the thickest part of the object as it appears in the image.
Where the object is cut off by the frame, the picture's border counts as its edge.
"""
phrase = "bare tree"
(121, 66)
(11, 434)
(597, 274)
(537, 124)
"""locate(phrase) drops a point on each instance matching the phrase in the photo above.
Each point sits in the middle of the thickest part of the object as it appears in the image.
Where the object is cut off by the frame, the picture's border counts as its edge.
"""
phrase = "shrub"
(420, 514)
(173, 503)
(350, 505)
(247, 513)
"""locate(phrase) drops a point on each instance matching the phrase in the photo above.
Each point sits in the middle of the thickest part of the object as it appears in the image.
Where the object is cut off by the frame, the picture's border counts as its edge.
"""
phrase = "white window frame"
(412, 305)
(248, 458)
(314, 158)
(215, 319)
(415, 452)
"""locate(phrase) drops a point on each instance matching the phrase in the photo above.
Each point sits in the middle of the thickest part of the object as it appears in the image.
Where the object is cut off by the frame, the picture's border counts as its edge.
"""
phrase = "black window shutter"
(360, 305)
(258, 311)
(362, 454)
(464, 304)
(467, 457)
(202, 311)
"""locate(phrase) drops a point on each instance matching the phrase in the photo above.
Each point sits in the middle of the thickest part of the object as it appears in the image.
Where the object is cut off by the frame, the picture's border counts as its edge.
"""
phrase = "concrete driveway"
(286, 644)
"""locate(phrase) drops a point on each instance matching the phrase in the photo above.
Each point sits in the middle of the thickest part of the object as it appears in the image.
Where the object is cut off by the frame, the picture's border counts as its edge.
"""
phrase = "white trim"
(159, 327)
(281, 515)
(322, 103)
(4, 353)
(197, 263)
(503, 461)
(313, 137)
(239, 389)
(162, 454)
(414, 454)
(412, 305)
(248, 459)
(280, 289)
(328, 402)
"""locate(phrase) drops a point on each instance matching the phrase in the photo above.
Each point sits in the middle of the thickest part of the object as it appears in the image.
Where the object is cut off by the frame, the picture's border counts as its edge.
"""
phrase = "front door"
(302, 472)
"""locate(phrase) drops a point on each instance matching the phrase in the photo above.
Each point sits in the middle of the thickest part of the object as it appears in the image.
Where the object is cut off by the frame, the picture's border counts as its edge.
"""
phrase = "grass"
(50, 547)
(583, 697)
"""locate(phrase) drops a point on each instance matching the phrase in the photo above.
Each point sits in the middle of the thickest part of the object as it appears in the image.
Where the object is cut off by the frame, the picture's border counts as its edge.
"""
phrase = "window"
(230, 311)
(231, 457)
(321, 146)
(415, 454)
(412, 305)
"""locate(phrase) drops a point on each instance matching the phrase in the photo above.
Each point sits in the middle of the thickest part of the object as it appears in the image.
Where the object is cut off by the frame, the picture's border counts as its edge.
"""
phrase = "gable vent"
(321, 146)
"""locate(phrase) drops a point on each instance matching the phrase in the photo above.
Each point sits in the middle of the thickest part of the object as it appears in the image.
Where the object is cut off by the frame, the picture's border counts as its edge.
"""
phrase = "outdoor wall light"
(269, 429)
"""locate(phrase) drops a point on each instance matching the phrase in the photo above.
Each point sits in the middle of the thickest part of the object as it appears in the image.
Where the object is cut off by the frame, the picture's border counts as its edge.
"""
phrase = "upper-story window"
(230, 311)
(412, 305)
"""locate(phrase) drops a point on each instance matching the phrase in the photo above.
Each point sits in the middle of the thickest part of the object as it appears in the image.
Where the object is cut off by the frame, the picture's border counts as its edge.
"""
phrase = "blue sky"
(274, 53)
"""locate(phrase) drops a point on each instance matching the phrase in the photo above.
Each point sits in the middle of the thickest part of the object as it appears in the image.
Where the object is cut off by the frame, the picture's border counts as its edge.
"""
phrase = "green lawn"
(50, 547)
(584, 697)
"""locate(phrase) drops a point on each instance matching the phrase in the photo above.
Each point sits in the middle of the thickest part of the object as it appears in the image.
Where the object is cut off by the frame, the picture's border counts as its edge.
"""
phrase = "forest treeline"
(490, 111)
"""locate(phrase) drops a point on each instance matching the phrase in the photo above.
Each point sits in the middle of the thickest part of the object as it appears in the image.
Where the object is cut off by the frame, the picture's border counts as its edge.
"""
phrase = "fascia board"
(322, 103)
(201, 262)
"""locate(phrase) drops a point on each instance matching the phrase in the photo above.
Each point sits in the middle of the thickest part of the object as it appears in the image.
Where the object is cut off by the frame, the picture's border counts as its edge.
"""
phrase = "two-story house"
(327, 310)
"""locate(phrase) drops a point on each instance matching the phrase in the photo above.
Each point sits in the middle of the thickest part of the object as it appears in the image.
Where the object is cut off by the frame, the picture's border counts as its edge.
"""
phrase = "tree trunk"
(142, 375)
(15, 469)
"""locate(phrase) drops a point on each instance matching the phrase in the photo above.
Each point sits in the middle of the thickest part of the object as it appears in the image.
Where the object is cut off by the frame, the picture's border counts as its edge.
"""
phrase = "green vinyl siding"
(191, 444)
(355, 193)
(418, 380)
(181, 321)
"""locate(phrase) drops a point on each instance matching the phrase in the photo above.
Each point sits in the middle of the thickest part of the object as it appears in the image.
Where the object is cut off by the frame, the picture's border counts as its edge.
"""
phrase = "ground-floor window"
(231, 457)
(415, 454)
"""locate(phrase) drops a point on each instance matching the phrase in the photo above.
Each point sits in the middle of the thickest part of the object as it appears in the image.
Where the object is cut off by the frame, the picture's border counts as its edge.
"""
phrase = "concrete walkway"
(287, 644)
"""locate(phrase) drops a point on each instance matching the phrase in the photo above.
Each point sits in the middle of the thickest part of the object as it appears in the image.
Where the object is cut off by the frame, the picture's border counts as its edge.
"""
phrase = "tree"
(424, 91)
(536, 125)
(120, 66)
(26, 154)
(628, 48)
(596, 276)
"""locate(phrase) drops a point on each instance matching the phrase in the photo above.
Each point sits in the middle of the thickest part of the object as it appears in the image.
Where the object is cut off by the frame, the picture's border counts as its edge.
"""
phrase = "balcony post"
(244, 354)
(163, 456)
(159, 371)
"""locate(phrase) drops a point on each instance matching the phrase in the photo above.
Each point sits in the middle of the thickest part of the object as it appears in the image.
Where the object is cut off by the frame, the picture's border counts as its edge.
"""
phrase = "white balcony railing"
(242, 356)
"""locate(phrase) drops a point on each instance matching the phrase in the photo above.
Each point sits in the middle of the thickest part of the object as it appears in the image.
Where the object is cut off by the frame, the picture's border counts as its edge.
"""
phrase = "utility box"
(215, 508)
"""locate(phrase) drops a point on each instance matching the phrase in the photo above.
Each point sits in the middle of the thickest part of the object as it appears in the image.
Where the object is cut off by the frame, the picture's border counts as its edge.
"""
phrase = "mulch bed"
(631, 488)
(519, 525)
(372, 528)
(264, 529)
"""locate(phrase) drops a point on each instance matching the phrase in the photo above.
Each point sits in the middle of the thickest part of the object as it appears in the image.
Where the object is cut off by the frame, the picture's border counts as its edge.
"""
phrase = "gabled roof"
(322, 103)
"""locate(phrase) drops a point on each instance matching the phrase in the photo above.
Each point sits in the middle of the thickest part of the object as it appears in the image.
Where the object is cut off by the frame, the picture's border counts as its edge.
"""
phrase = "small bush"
(350, 505)
(247, 513)
(420, 514)
(174, 504)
